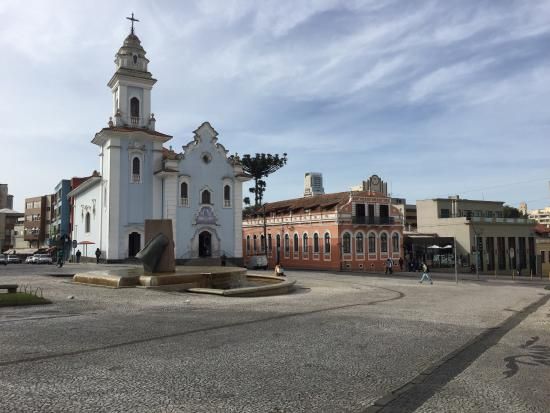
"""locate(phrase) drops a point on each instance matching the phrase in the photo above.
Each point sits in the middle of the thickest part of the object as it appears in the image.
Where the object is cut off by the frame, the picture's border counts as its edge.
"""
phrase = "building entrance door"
(205, 244)
(134, 244)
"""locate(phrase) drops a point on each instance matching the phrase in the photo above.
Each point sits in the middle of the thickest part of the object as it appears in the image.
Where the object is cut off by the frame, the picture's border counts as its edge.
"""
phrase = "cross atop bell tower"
(132, 20)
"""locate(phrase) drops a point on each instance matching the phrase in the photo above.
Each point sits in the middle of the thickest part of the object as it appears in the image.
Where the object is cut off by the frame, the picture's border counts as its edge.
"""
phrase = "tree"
(511, 212)
(260, 166)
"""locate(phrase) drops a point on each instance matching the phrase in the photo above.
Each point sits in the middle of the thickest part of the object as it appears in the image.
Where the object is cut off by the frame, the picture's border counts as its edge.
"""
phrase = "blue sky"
(437, 97)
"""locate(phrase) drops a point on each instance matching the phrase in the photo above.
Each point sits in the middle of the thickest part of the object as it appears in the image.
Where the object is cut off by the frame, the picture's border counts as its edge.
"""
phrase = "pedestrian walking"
(389, 266)
(401, 263)
(97, 255)
(78, 254)
(59, 258)
(425, 274)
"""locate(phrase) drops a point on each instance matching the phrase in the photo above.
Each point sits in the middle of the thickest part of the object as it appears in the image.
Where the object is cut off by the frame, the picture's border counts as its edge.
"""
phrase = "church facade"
(199, 189)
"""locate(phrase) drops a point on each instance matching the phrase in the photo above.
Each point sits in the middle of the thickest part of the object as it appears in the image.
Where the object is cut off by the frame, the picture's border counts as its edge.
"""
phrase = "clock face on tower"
(375, 180)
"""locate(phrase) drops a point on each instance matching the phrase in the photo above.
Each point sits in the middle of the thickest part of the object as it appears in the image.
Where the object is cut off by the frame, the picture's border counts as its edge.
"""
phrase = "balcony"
(134, 121)
(373, 220)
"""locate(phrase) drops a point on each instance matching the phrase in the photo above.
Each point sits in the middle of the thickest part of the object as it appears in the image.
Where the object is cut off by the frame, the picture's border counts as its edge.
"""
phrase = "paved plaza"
(341, 342)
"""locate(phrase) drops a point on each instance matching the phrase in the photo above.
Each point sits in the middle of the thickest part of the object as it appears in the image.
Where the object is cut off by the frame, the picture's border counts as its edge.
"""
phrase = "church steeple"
(131, 84)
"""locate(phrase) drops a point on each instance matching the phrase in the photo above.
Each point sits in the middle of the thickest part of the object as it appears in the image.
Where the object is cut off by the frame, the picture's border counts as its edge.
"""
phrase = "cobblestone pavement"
(340, 343)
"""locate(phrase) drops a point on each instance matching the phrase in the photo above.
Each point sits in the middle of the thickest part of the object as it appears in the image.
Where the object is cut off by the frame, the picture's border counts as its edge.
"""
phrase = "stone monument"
(158, 253)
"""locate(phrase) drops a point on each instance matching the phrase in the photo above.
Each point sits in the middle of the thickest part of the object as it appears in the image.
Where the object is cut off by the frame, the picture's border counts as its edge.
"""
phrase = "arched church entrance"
(134, 244)
(205, 244)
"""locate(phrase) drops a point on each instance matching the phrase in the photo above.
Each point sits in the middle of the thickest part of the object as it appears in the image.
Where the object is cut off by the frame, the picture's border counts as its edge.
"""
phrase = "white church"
(199, 189)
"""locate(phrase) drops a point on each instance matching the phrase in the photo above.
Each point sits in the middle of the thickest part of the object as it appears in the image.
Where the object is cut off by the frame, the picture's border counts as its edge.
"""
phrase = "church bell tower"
(131, 85)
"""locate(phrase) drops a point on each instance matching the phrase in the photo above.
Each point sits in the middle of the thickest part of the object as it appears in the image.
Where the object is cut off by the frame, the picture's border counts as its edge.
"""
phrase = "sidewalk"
(445, 276)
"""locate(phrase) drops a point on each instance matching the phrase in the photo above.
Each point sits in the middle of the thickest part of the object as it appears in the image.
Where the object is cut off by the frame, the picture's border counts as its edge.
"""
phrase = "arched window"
(269, 242)
(346, 243)
(248, 244)
(305, 246)
(136, 170)
(395, 242)
(184, 194)
(134, 58)
(372, 243)
(87, 223)
(262, 243)
(296, 245)
(287, 245)
(205, 197)
(134, 110)
(316, 243)
(359, 247)
(254, 244)
(226, 196)
(327, 243)
(384, 242)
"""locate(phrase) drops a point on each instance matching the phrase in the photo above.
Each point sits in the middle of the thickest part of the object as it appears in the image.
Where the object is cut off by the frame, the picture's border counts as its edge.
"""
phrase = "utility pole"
(456, 268)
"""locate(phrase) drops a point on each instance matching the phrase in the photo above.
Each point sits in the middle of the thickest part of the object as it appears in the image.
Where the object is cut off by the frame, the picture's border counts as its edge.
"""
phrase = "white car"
(29, 259)
(42, 259)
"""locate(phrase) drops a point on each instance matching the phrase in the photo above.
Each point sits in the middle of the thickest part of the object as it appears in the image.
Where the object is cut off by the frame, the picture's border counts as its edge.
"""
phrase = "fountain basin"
(226, 281)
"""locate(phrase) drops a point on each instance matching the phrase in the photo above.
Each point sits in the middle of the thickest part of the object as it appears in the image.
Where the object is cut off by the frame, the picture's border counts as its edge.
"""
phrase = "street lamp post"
(265, 236)
(456, 268)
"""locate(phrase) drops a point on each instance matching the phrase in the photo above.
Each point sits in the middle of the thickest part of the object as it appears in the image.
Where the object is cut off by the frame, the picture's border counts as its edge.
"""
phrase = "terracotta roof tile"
(324, 201)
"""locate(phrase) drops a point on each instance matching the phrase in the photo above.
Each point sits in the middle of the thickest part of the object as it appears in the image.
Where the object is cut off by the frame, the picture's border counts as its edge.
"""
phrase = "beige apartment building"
(542, 216)
(480, 230)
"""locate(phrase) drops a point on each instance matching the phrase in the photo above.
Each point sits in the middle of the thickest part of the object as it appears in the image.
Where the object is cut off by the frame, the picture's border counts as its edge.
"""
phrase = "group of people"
(413, 266)
(61, 257)
(388, 265)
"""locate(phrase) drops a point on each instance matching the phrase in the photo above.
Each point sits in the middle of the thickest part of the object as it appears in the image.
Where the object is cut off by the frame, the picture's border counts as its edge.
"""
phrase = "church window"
(395, 242)
(248, 244)
(226, 196)
(205, 197)
(372, 243)
(262, 243)
(134, 111)
(296, 244)
(184, 199)
(134, 58)
(305, 246)
(206, 157)
(384, 242)
(87, 223)
(359, 247)
(254, 244)
(327, 243)
(136, 170)
(316, 243)
(346, 243)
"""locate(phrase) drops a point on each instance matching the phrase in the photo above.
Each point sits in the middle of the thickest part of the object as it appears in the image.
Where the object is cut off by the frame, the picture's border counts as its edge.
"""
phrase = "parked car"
(29, 259)
(14, 259)
(3, 260)
(42, 259)
(257, 261)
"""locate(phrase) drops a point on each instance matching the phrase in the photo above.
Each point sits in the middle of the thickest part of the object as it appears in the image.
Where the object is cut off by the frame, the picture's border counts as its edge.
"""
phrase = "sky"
(438, 98)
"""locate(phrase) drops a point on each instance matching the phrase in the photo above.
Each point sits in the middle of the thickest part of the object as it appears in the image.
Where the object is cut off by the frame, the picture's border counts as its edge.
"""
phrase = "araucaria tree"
(260, 166)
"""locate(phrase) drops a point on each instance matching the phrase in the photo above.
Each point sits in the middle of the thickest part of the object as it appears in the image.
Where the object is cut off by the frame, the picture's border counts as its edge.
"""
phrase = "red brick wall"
(334, 260)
